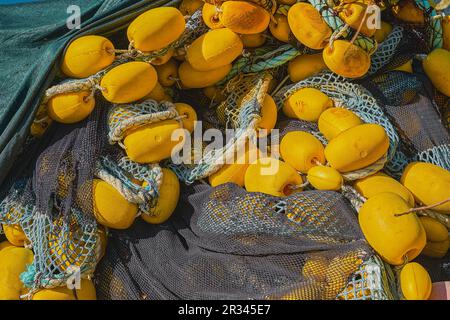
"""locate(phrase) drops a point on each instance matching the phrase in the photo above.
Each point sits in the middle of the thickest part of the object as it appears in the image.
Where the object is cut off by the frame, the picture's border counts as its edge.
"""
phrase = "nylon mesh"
(232, 244)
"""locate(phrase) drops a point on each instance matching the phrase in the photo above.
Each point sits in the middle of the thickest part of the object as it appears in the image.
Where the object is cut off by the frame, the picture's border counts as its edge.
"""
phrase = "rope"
(298, 186)
(267, 61)
(422, 208)
(367, 171)
(337, 34)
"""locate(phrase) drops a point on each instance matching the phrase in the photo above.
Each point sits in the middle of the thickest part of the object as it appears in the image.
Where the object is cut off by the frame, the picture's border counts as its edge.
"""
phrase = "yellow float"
(334, 121)
(156, 28)
(71, 107)
(308, 26)
(325, 178)
(153, 142)
(191, 78)
(302, 150)
(357, 147)
(273, 177)
(86, 292)
(169, 193)
(437, 65)
(395, 237)
(244, 17)
(86, 56)
(305, 66)
(307, 104)
(428, 183)
(380, 182)
(128, 82)
(214, 49)
(111, 209)
(415, 282)
(346, 59)
(13, 261)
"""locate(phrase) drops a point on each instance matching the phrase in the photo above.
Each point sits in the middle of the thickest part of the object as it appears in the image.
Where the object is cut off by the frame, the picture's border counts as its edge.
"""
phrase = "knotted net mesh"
(408, 101)
(226, 243)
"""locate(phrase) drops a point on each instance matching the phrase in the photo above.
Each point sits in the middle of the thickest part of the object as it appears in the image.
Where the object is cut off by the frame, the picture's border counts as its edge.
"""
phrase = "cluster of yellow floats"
(395, 234)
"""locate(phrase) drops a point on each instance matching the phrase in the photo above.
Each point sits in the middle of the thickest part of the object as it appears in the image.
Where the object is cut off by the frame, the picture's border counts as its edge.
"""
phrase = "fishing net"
(232, 244)
(53, 205)
(222, 242)
(408, 101)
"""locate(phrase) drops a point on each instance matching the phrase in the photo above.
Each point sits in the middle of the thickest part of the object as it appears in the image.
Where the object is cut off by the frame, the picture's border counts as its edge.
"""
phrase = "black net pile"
(51, 200)
(226, 243)
(408, 100)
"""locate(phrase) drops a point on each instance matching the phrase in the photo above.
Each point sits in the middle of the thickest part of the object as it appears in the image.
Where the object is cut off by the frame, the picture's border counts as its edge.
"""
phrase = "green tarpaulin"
(32, 38)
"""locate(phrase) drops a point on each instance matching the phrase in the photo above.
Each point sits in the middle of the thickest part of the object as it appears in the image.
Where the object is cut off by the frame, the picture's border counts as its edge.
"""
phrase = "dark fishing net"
(52, 202)
(408, 100)
(232, 244)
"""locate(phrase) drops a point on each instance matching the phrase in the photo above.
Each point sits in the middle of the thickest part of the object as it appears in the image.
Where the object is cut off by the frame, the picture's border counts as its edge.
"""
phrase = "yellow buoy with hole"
(162, 59)
(394, 238)
(354, 14)
(153, 142)
(302, 150)
(87, 55)
(187, 114)
(273, 177)
(71, 107)
(210, 15)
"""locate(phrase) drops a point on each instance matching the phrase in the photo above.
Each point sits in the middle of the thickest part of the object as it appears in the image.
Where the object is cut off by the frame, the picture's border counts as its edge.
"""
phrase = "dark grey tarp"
(32, 38)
